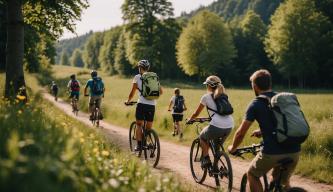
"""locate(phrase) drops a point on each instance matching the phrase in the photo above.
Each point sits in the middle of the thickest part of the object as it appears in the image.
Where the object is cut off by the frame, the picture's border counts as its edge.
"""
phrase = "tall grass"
(316, 151)
(42, 149)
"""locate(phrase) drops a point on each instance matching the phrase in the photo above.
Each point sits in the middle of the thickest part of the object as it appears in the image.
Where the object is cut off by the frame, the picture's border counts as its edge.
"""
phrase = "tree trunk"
(15, 48)
(3, 37)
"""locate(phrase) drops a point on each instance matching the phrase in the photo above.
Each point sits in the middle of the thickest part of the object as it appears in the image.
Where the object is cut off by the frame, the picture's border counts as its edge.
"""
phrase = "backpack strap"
(265, 99)
(208, 108)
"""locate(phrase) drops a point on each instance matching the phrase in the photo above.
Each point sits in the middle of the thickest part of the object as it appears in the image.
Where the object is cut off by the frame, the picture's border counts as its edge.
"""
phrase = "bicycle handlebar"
(254, 149)
(198, 120)
(130, 103)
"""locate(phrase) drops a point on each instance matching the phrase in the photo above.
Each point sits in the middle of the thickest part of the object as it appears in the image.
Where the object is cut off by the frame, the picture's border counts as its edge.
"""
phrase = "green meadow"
(317, 153)
(42, 149)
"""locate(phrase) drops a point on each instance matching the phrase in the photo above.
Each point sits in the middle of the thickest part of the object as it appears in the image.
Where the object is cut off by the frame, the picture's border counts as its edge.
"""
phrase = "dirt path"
(175, 158)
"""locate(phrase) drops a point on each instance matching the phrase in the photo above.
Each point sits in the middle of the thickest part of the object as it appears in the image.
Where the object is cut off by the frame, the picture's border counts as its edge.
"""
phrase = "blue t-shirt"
(90, 84)
(258, 110)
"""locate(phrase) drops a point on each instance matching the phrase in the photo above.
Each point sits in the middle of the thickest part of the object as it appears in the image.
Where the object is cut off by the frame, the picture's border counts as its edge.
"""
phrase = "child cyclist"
(145, 109)
(177, 103)
(219, 126)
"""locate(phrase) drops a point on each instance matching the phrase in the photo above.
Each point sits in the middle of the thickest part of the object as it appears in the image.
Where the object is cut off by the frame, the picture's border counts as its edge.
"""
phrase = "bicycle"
(74, 103)
(220, 168)
(150, 144)
(274, 186)
(96, 114)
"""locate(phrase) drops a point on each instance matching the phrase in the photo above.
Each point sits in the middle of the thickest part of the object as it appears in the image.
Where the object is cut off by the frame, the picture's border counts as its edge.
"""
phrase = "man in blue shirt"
(272, 152)
(96, 92)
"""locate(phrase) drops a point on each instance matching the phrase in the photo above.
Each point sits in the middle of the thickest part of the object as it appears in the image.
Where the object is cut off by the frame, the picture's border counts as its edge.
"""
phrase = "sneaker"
(137, 148)
(205, 162)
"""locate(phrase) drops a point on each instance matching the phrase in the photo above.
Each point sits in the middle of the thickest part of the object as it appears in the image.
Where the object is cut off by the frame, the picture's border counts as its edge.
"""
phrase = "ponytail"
(219, 90)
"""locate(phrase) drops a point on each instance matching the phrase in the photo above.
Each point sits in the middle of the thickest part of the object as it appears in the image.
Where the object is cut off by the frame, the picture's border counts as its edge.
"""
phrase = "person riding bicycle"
(54, 90)
(97, 89)
(219, 126)
(145, 109)
(272, 152)
(177, 103)
(73, 87)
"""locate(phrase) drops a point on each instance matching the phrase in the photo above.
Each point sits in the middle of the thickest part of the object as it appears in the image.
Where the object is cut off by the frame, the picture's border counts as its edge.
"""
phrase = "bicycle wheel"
(224, 172)
(152, 148)
(244, 187)
(132, 136)
(97, 116)
(199, 174)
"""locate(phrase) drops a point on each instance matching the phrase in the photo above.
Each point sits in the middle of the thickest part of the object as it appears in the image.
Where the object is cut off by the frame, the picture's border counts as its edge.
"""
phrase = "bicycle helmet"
(212, 81)
(144, 64)
(72, 76)
(93, 73)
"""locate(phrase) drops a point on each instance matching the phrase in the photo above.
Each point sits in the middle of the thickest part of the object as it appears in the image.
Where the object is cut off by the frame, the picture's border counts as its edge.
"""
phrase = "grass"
(42, 149)
(317, 106)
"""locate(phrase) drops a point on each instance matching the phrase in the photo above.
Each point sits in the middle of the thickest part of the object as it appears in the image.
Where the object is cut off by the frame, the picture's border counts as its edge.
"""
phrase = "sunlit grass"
(42, 149)
(316, 106)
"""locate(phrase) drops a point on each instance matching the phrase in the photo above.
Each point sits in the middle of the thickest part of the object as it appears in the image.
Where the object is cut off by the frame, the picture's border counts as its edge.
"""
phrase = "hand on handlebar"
(231, 150)
(189, 121)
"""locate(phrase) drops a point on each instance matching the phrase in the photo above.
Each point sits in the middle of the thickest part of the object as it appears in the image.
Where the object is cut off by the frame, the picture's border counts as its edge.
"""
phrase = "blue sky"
(103, 14)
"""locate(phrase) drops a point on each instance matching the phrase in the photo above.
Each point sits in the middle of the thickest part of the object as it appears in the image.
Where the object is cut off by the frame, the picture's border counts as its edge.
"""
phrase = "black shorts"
(145, 112)
(177, 117)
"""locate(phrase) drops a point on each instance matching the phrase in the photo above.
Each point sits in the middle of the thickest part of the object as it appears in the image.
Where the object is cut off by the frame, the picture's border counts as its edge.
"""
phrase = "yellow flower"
(81, 140)
(20, 97)
(105, 153)
(19, 112)
(95, 150)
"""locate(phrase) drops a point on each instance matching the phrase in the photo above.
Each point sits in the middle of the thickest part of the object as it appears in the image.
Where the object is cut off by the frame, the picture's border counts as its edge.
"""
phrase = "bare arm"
(197, 112)
(239, 135)
(170, 105)
(132, 93)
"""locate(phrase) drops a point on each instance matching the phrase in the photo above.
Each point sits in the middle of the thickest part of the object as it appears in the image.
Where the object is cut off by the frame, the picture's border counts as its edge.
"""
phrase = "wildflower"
(20, 97)
(82, 140)
(19, 112)
(114, 183)
(105, 153)
(95, 150)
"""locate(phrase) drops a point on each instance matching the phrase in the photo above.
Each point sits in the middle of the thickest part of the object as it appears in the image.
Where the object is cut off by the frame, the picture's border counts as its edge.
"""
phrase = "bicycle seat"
(285, 161)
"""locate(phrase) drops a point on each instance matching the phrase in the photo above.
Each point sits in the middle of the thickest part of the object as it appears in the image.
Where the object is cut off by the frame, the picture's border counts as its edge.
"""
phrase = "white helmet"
(144, 64)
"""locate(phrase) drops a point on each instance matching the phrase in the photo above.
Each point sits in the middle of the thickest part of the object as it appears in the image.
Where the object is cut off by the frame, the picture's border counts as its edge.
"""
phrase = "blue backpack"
(97, 87)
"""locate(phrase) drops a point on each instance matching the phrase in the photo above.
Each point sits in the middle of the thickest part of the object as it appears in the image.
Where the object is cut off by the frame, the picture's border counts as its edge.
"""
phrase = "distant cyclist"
(149, 89)
(97, 89)
(73, 87)
(220, 125)
(54, 90)
(177, 103)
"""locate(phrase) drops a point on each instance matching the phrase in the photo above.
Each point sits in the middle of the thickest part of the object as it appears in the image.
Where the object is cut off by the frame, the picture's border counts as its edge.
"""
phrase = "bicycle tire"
(152, 145)
(97, 116)
(296, 189)
(132, 136)
(225, 170)
(195, 148)
(244, 186)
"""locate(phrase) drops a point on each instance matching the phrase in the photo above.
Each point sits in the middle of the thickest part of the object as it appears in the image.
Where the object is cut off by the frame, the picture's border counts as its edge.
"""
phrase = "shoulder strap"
(265, 98)
(208, 108)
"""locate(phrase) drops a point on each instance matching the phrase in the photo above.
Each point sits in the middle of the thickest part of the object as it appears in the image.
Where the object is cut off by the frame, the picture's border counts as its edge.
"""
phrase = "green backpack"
(150, 86)
(290, 123)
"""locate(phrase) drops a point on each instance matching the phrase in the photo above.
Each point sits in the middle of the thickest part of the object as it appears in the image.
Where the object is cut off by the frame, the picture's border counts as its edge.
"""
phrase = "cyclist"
(97, 89)
(54, 90)
(177, 103)
(73, 87)
(219, 126)
(272, 152)
(145, 109)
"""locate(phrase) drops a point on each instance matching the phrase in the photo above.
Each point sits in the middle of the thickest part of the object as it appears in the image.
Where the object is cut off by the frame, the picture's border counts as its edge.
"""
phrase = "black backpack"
(179, 104)
(223, 105)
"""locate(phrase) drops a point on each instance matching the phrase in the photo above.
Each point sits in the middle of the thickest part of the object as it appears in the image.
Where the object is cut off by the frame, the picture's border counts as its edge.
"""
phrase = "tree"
(248, 37)
(76, 59)
(142, 22)
(3, 36)
(91, 51)
(121, 63)
(14, 49)
(293, 39)
(205, 45)
(64, 59)
(107, 51)
(58, 14)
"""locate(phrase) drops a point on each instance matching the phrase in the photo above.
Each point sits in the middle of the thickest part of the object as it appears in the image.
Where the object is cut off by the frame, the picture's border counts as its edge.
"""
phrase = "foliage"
(91, 51)
(107, 51)
(49, 151)
(76, 59)
(64, 59)
(121, 63)
(204, 45)
(3, 35)
(295, 36)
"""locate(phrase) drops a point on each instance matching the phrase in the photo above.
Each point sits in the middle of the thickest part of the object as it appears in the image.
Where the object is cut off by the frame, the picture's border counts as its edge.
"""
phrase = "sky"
(104, 14)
